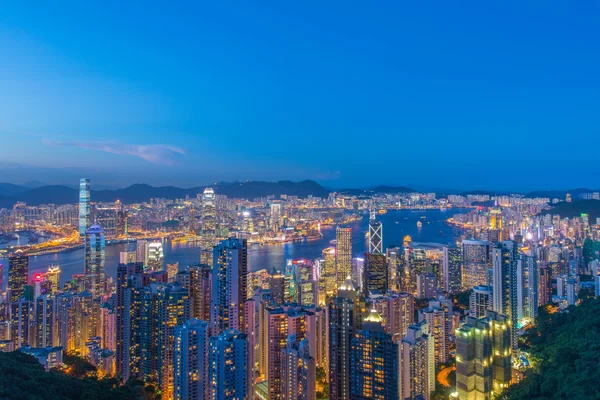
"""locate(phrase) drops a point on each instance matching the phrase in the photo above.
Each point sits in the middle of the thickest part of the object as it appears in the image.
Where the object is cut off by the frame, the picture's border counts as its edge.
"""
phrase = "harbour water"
(396, 225)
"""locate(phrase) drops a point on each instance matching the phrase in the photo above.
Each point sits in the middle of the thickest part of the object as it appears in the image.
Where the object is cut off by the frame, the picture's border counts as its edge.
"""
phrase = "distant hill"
(9, 189)
(576, 208)
(60, 194)
(376, 190)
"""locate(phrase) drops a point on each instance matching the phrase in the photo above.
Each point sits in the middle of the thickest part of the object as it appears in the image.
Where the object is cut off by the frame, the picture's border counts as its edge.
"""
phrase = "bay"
(396, 225)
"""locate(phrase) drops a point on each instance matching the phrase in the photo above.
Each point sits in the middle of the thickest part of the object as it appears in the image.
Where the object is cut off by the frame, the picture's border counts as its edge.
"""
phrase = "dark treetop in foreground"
(22, 377)
(565, 348)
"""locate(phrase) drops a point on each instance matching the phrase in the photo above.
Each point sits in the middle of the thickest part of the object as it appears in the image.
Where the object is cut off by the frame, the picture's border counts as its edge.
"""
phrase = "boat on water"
(382, 211)
(419, 224)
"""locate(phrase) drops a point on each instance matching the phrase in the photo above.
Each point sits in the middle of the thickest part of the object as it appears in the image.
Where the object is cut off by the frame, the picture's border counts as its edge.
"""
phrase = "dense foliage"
(22, 377)
(565, 347)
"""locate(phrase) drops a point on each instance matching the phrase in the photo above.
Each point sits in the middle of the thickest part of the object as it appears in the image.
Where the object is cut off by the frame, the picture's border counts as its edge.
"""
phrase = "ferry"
(382, 211)
(419, 224)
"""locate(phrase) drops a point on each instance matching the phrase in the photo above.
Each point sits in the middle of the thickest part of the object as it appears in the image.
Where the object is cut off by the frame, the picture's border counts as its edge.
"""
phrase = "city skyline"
(219, 93)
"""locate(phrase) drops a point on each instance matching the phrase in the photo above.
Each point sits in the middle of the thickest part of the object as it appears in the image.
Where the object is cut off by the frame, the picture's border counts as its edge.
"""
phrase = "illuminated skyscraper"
(229, 285)
(392, 257)
(480, 301)
(346, 312)
(200, 291)
(94, 260)
(505, 280)
(156, 258)
(375, 274)
(416, 364)
(397, 311)
(343, 254)
(142, 252)
(209, 222)
(299, 371)
(373, 362)
(327, 279)
(53, 276)
(438, 318)
(527, 287)
(306, 282)
(545, 285)
(275, 216)
(228, 366)
(44, 321)
(190, 367)
(84, 206)
(375, 236)
(18, 273)
(476, 262)
(483, 357)
(451, 267)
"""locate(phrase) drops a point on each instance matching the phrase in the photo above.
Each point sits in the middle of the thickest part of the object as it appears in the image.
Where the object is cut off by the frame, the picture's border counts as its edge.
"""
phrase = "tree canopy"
(23, 377)
(565, 349)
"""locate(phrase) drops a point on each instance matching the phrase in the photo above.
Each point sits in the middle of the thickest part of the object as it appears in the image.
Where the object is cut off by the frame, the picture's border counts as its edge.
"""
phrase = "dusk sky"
(466, 95)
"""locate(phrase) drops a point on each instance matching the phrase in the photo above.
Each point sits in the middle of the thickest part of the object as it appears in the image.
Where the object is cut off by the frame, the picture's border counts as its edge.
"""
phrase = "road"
(442, 377)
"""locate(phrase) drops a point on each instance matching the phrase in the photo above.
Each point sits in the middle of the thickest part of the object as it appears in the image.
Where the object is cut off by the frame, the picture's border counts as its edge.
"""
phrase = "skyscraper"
(375, 236)
(505, 280)
(345, 316)
(229, 286)
(480, 301)
(209, 222)
(476, 262)
(375, 274)
(306, 279)
(53, 276)
(483, 357)
(544, 285)
(452, 271)
(328, 280)
(298, 372)
(527, 287)
(228, 366)
(18, 273)
(373, 362)
(44, 321)
(200, 291)
(343, 254)
(94, 260)
(129, 279)
(397, 311)
(438, 317)
(155, 257)
(84, 206)
(416, 364)
(190, 366)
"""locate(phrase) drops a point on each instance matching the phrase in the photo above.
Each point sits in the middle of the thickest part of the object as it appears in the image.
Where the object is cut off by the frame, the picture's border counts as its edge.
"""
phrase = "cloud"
(154, 153)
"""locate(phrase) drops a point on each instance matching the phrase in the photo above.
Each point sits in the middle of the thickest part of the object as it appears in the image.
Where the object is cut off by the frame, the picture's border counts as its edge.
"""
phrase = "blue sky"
(468, 95)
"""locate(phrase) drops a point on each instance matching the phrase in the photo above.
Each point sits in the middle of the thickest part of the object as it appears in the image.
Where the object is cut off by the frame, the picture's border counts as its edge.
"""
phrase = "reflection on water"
(396, 224)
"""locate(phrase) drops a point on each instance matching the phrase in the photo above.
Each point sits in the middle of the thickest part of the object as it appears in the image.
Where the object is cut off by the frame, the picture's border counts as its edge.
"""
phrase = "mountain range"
(36, 193)
(62, 194)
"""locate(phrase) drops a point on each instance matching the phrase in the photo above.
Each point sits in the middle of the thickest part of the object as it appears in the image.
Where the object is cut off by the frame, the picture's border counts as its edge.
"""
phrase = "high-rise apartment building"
(452, 269)
(505, 283)
(476, 263)
(397, 311)
(228, 366)
(527, 287)
(200, 288)
(155, 257)
(480, 301)
(416, 364)
(53, 276)
(190, 365)
(438, 316)
(229, 285)
(298, 371)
